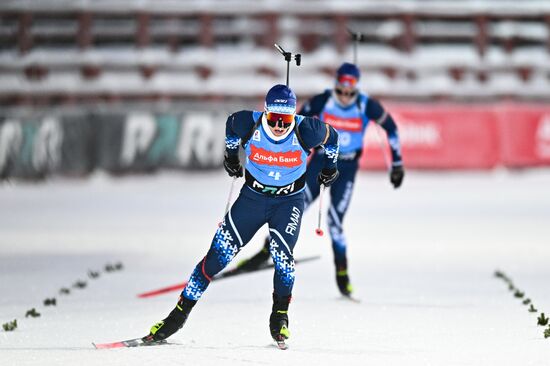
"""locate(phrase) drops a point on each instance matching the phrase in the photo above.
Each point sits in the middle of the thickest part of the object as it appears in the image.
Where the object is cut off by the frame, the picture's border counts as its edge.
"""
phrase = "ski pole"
(357, 38)
(228, 199)
(318, 230)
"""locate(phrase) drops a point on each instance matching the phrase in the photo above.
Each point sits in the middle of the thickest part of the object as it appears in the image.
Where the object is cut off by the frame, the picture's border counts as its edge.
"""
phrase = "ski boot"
(342, 279)
(172, 323)
(278, 321)
(256, 260)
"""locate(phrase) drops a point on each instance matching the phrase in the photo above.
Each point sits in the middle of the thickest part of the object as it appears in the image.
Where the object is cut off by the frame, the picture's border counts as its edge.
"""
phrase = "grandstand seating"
(216, 50)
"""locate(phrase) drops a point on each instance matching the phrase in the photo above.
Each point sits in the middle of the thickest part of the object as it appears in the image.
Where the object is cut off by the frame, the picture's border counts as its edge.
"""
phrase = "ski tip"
(351, 298)
(109, 345)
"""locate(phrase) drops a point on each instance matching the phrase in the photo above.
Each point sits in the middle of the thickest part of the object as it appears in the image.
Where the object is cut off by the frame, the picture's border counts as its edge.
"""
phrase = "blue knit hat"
(280, 99)
(347, 75)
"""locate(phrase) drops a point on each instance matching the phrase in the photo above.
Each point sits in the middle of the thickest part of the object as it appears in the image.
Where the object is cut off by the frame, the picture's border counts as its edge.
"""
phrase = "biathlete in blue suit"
(276, 143)
(349, 111)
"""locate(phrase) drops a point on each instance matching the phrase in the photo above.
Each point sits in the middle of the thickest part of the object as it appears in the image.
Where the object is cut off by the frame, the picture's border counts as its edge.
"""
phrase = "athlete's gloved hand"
(396, 175)
(327, 176)
(233, 166)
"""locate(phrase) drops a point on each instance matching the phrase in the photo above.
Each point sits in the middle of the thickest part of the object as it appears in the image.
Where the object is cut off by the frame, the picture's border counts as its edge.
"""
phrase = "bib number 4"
(274, 175)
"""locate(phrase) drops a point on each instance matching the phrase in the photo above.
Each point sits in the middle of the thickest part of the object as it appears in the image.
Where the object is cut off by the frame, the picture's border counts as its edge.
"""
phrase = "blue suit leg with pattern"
(340, 197)
(246, 216)
(285, 219)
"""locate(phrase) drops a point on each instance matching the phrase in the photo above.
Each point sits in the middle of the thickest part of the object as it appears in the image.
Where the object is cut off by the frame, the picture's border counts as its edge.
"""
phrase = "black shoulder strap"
(358, 102)
(300, 140)
(249, 135)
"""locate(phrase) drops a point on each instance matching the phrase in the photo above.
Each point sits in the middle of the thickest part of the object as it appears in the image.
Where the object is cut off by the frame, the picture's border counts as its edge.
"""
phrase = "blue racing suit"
(273, 193)
(351, 123)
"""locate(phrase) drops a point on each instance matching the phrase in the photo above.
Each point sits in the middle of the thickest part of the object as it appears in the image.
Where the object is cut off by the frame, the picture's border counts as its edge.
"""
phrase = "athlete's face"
(278, 131)
(279, 123)
(345, 94)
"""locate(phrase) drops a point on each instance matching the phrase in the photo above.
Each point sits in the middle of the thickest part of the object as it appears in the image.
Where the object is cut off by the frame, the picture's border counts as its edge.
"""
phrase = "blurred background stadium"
(137, 86)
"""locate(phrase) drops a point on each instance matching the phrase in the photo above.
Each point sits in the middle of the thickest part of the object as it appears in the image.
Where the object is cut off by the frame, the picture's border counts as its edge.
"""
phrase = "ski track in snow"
(421, 259)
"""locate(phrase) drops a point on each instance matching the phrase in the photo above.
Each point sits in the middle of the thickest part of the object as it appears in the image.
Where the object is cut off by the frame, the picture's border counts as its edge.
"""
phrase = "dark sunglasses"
(283, 120)
(346, 94)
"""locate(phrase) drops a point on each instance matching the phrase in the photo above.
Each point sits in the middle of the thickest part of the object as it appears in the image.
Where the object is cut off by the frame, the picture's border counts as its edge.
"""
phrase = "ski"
(230, 273)
(136, 342)
(351, 298)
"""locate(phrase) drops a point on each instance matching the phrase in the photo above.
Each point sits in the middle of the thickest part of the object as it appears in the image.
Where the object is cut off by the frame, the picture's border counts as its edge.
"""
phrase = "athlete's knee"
(281, 254)
(333, 224)
(335, 218)
(223, 249)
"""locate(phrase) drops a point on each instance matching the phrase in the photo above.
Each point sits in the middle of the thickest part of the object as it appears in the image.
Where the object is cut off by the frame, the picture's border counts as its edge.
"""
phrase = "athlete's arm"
(237, 127)
(315, 133)
(378, 114)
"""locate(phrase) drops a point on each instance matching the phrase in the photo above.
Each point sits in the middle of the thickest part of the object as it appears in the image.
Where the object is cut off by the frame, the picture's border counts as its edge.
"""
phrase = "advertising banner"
(438, 137)
(443, 136)
(525, 135)
(30, 148)
(33, 147)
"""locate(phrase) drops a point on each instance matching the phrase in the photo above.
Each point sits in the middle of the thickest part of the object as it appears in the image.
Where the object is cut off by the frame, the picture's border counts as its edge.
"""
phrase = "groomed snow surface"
(421, 259)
